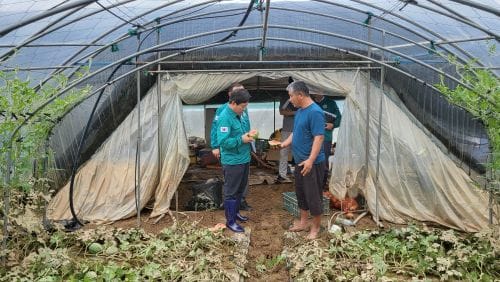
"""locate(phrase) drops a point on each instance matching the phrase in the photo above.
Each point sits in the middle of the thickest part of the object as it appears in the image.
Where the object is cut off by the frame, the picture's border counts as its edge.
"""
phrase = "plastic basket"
(290, 204)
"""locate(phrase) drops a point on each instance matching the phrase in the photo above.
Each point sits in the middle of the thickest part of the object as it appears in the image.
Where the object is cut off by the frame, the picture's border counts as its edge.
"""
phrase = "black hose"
(84, 136)
(76, 163)
(242, 22)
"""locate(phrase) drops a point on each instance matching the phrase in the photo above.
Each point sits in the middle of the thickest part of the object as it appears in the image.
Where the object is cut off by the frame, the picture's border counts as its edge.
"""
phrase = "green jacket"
(230, 128)
(213, 131)
(329, 105)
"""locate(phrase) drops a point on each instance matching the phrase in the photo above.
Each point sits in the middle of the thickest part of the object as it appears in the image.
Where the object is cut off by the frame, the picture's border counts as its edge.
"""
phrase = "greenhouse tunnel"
(126, 49)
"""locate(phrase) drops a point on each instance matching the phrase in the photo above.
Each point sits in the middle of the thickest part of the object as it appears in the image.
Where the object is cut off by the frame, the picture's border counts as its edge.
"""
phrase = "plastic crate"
(290, 204)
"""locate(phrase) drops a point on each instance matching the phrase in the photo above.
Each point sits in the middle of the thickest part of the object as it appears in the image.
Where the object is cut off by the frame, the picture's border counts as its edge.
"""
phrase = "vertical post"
(491, 188)
(264, 21)
(380, 108)
(274, 115)
(367, 131)
(139, 135)
(158, 95)
(6, 198)
(261, 32)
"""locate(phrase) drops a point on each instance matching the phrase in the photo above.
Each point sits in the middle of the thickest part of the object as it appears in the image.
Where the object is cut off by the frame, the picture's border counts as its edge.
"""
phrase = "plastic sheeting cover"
(416, 181)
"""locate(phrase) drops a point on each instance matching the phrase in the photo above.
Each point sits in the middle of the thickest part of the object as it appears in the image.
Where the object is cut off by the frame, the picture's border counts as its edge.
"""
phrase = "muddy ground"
(268, 219)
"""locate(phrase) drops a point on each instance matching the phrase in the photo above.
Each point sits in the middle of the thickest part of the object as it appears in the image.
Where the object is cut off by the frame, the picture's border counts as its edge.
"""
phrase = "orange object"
(346, 205)
(217, 227)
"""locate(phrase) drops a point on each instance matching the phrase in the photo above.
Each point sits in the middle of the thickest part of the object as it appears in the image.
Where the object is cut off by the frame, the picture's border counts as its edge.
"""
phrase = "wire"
(117, 16)
(190, 13)
(233, 33)
(119, 9)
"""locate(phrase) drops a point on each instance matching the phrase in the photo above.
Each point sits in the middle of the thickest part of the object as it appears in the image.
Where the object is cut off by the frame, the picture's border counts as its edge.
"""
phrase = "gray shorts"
(309, 189)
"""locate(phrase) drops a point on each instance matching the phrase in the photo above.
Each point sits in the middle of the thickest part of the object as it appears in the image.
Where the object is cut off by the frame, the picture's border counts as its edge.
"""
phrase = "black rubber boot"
(230, 208)
(240, 217)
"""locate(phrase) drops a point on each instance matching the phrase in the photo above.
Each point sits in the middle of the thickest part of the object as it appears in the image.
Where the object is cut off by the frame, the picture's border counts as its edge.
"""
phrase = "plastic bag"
(206, 196)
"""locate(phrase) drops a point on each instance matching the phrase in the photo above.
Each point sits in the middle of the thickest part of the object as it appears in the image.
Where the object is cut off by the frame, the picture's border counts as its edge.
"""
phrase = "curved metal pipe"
(153, 48)
(125, 36)
(456, 16)
(37, 36)
(415, 43)
(45, 14)
(380, 48)
(328, 2)
(13, 49)
(467, 54)
(478, 6)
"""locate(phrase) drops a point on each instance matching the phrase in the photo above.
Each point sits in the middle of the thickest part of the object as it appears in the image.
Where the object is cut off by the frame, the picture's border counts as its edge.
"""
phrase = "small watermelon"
(95, 248)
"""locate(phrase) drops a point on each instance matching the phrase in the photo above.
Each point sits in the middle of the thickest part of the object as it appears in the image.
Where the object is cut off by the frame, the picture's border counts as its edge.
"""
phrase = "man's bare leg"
(315, 227)
(300, 225)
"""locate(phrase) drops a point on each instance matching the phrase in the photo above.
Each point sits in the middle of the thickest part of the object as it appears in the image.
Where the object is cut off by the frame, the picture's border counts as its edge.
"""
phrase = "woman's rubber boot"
(230, 207)
(240, 217)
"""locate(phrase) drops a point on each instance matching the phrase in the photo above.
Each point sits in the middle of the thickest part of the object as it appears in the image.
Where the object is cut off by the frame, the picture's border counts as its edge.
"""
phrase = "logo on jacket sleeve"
(224, 129)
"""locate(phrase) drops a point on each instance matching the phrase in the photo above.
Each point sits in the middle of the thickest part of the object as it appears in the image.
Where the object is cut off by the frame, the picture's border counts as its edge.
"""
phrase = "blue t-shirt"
(309, 122)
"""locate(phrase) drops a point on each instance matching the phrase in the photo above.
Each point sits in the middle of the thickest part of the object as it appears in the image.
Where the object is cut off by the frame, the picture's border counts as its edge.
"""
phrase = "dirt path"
(267, 222)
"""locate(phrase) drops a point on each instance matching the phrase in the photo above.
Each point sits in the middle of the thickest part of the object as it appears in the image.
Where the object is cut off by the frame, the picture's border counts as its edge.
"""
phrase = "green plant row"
(18, 101)
(482, 101)
(183, 253)
(398, 254)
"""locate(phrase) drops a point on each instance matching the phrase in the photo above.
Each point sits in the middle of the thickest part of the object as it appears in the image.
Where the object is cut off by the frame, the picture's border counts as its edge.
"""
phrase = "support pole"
(138, 152)
(274, 115)
(380, 108)
(6, 203)
(264, 30)
(367, 130)
(158, 94)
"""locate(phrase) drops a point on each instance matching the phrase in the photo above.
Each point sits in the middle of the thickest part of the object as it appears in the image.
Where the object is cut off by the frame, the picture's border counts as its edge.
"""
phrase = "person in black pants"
(234, 143)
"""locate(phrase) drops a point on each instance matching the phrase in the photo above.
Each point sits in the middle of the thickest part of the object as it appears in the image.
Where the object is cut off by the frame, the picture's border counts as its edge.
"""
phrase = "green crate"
(290, 204)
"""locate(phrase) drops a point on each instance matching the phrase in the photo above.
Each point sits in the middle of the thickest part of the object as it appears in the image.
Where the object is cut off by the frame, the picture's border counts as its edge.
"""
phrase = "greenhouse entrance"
(395, 154)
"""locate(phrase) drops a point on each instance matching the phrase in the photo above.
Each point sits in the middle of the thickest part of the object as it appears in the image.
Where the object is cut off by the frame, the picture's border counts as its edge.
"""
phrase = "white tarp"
(105, 185)
(416, 179)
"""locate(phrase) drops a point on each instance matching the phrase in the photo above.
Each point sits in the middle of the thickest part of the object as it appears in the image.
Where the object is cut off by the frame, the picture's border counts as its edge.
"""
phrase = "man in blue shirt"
(307, 149)
(234, 144)
(214, 144)
(332, 121)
